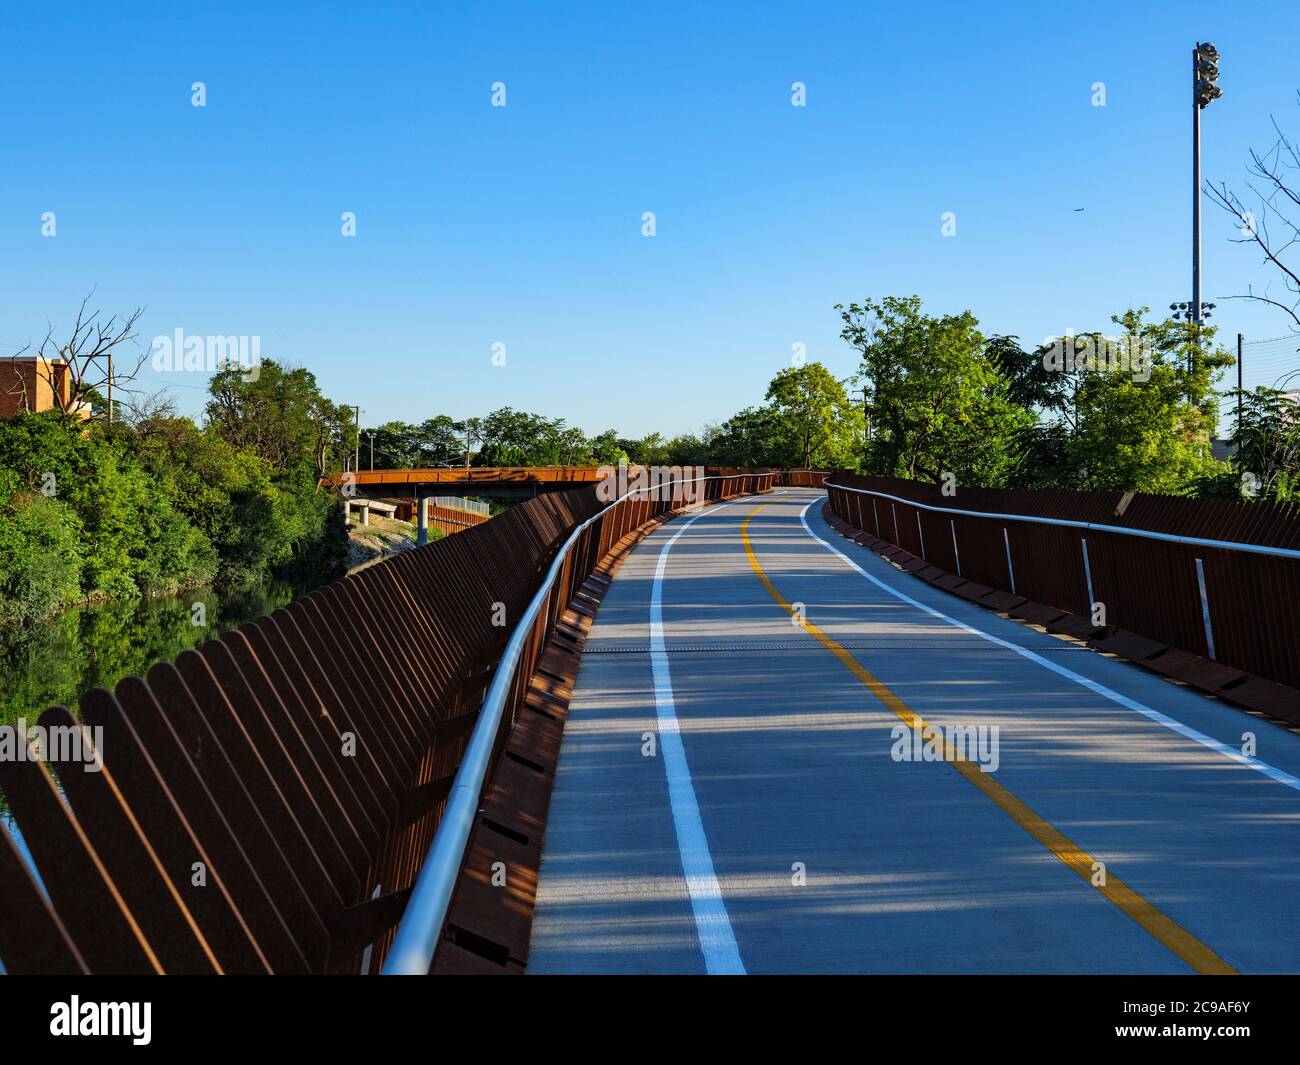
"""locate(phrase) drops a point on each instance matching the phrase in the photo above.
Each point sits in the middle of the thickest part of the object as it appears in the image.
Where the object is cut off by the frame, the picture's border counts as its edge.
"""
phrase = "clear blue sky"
(523, 225)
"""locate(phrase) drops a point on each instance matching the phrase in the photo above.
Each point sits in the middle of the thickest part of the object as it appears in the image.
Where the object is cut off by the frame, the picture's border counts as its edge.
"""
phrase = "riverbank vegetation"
(155, 503)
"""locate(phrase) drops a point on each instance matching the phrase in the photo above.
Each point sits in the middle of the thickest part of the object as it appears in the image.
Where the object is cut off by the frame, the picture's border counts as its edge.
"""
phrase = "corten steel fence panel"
(801, 478)
(1234, 604)
(265, 803)
(1148, 587)
(39, 943)
(1240, 583)
(73, 876)
(982, 552)
(133, 864)
(175, 839)
(453, 520)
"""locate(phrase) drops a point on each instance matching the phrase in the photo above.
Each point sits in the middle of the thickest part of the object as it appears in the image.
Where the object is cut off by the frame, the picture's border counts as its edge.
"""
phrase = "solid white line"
(1272, 772)
(713, 926)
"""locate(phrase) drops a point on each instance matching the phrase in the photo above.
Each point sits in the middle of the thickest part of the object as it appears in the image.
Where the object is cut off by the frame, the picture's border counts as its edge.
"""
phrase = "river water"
(95, 646)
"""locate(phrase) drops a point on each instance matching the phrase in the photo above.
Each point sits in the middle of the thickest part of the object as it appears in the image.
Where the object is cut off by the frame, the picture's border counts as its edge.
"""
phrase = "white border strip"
(717, 940)
(1272, 772)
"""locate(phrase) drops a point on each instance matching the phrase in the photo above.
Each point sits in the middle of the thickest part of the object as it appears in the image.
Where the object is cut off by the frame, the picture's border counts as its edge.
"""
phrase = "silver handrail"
(426, 910)
(1147, 534)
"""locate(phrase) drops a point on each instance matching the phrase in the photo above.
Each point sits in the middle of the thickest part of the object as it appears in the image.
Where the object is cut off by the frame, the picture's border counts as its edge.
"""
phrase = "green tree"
(438, 442)
(469, 432)
(937, 400)
(688, 449)
(233, 496)
(649, 450)
(1135, 413)
(815, 415)
(607, 450)
(132, 537)
(519, 438)
(1266, 439)
(281, 415)
(394, 445)
(1030, 383)
(754, 437)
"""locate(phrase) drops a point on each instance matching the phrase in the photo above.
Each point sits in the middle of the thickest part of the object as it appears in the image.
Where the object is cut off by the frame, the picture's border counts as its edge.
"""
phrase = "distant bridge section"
(496, 481)
(503, 482)
(500, 481)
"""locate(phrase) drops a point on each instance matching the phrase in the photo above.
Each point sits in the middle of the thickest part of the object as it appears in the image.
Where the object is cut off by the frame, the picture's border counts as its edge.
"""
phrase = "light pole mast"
(1196, 190)
(1205, 74)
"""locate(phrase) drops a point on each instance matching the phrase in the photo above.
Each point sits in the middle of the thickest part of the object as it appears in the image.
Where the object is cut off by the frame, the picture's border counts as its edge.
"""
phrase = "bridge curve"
(743, 783)
(784, 753)
(448, 477)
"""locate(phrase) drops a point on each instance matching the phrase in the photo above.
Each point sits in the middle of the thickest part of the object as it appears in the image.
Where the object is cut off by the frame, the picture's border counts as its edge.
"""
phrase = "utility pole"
(372, 450)
(110, 387)
(356, 459)
(1239, 380)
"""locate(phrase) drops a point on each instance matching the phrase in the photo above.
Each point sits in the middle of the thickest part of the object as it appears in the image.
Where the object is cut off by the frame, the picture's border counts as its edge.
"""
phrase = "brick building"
(33, 384)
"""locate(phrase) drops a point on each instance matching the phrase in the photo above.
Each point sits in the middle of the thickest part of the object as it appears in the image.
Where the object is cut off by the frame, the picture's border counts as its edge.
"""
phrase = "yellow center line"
(1161, 927)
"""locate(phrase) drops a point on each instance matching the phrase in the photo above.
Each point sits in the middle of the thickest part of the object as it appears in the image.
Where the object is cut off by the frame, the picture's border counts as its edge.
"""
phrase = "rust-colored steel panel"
(230, 856)
(80, 888)
(255, 832)
(156, 895)
(1145, 586)
(38, 943)
(198, 879)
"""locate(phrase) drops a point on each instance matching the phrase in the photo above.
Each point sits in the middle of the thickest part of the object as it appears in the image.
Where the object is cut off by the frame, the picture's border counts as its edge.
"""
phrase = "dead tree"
(81, 367)
(1272, 224)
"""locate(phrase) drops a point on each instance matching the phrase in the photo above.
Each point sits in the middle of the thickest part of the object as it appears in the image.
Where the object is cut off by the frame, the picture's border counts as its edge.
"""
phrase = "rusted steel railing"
(453, 519)
(802, 478)
(265, 803)
(1216, 579)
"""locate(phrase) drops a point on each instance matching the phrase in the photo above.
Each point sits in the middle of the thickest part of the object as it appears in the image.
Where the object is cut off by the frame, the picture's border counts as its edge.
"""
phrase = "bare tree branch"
(1277, 169)
(78, 368)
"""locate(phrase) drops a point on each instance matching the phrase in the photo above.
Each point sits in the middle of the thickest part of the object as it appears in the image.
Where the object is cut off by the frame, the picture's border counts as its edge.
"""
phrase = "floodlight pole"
(1196, 201)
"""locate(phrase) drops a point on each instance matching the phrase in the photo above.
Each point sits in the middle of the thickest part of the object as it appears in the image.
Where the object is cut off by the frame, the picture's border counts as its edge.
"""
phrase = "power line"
(1292, 339)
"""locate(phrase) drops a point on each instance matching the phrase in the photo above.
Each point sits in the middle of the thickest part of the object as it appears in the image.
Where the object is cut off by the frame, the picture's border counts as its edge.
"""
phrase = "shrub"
(41, 556)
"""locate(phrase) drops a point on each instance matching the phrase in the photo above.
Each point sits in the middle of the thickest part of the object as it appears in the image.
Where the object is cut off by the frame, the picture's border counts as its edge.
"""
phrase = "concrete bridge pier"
(421, 518)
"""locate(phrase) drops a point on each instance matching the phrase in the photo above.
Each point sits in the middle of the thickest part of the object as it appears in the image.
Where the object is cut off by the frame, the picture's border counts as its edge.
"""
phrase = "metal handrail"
(417, 935)
(1147, 534)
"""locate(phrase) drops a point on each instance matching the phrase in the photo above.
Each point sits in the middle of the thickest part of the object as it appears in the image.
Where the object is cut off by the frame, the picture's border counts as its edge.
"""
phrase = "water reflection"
(57, 660)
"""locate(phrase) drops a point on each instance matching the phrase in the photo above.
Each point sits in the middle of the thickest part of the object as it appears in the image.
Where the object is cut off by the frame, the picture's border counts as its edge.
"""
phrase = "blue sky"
(522, 224)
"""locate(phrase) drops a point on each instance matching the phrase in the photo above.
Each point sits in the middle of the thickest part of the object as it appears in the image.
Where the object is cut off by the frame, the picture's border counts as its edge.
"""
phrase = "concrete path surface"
(743, 785)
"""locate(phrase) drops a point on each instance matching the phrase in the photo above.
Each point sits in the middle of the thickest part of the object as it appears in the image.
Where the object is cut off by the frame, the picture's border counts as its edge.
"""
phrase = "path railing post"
(1205, 608)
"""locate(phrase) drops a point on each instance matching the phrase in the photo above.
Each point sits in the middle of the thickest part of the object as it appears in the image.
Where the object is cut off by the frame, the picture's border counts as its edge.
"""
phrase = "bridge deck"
(686, 861)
